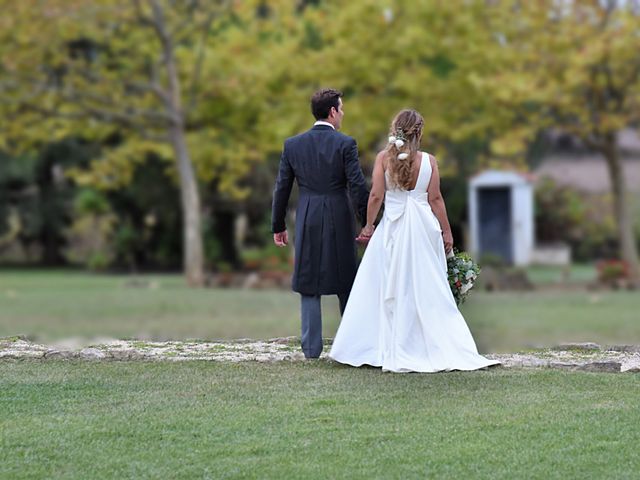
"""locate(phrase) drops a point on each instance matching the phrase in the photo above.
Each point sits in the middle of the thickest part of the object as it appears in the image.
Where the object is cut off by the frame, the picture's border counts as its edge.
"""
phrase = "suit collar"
(320, 125)
(321, 128)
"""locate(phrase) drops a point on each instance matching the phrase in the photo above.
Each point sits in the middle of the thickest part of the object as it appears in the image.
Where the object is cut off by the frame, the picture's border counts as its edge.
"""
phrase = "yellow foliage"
(485, 73)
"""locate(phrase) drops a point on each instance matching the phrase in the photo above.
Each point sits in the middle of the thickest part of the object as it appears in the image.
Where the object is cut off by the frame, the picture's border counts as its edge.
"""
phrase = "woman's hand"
(367, 231)
(448, 241)
(365, 234)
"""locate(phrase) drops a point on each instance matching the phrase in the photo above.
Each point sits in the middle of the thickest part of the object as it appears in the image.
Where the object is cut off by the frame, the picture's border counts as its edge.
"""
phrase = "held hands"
(281, 239)
(448, 241)
(365, 234)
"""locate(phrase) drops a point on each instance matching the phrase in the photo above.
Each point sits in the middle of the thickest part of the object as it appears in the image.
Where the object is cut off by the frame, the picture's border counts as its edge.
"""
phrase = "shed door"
(495, 222)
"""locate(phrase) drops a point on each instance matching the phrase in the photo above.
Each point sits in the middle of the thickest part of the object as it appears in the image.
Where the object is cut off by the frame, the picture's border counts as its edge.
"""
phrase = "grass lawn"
(312, 420)
(51, 305)
(549, 275)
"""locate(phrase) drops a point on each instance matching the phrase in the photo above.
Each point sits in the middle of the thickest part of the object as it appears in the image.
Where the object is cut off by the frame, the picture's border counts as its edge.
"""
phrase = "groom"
(325, 165)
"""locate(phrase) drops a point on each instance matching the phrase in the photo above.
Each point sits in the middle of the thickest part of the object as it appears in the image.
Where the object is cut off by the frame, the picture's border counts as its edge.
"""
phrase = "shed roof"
(495, 178)
(587, 173)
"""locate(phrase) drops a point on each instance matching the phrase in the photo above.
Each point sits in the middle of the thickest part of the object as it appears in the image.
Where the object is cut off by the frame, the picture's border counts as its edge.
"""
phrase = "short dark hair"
(323, 100)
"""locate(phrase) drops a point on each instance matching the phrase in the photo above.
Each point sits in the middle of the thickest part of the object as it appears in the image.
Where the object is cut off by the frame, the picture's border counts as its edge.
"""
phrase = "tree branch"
(153, 86)
(197, 71)
(158, 23)
(91, 100)
(117, 118)
(174, 104)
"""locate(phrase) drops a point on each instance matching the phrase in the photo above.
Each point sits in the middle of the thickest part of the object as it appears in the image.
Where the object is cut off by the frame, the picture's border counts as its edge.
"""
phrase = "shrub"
(612, 270)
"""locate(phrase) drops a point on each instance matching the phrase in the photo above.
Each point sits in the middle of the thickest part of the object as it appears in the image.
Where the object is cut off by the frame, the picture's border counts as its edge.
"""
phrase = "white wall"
(522, 215)
(522, 220)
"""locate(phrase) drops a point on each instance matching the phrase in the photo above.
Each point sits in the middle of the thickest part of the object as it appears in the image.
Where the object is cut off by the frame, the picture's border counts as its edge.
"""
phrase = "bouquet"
(462, 272)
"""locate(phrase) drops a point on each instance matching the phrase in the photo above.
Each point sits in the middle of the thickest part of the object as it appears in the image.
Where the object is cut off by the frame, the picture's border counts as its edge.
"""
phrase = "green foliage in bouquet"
(463, 273)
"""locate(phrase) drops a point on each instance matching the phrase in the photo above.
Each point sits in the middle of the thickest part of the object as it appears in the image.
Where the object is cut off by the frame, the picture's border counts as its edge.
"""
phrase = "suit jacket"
(325, 165)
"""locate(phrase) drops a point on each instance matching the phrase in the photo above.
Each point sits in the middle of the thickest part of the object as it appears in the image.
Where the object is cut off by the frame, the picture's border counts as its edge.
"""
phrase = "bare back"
(415, 168)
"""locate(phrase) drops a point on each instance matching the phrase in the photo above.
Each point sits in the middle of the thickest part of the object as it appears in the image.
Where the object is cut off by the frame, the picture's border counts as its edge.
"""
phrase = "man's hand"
(281, 239)
(448, 241)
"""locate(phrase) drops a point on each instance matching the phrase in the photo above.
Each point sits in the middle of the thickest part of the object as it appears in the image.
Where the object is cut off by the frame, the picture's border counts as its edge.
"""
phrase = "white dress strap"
(424, 175)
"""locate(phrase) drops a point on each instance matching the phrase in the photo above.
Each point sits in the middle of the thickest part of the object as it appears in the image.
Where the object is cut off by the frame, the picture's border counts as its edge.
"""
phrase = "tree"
(573, 66)
(37, 196)
(217, 87)
(489, 77)
(419, 54)
(93, 68)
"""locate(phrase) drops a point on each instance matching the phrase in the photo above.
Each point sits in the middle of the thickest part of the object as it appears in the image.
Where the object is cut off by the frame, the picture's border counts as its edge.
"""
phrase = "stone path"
(577, 356)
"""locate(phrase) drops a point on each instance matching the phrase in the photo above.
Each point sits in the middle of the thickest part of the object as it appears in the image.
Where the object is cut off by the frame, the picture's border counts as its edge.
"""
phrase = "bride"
(401, 314)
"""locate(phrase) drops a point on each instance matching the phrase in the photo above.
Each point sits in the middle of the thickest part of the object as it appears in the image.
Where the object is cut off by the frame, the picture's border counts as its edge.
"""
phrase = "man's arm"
(281, 193)
(355, 178)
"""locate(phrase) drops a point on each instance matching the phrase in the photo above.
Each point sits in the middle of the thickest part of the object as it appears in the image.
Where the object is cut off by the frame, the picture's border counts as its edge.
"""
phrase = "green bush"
(585, 222)
(98, 262)
(90, 202)
(268, 258)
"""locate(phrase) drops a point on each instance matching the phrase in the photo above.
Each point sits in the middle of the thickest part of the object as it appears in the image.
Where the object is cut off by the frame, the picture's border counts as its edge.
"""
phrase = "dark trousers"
(312, 322)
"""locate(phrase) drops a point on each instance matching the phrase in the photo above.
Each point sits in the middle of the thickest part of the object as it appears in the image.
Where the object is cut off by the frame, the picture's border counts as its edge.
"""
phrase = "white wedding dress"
(401, 314)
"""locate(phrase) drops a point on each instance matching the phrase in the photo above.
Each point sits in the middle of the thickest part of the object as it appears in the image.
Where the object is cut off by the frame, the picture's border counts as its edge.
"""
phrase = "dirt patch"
(579, 357)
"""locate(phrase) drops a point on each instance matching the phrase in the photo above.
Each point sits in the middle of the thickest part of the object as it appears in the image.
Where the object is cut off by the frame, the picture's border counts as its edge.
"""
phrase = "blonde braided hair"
(404, 140)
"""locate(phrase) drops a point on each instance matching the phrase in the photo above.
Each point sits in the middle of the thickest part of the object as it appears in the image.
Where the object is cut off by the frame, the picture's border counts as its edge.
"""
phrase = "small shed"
(501, 216)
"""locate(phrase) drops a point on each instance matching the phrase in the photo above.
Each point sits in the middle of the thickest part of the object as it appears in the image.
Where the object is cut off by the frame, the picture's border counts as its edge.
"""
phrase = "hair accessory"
(397, 141)
(398, 138)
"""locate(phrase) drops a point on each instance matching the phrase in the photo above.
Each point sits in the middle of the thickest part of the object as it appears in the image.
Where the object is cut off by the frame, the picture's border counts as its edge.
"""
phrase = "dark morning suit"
(325, 165)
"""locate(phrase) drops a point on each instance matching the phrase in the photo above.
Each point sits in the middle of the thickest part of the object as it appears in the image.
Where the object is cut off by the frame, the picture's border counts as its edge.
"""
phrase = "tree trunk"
(626, 237)
(190, 195)
(52, 216)
(192, 218)
(224, 228)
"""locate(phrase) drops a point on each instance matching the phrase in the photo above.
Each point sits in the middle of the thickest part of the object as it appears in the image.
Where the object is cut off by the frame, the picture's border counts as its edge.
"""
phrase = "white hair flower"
(403, 156)
(392, 139)
(399, 143)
